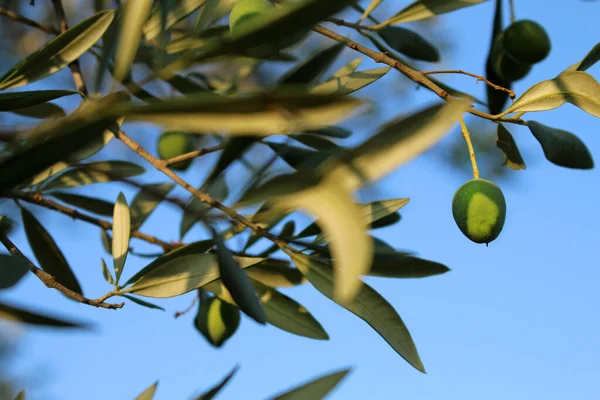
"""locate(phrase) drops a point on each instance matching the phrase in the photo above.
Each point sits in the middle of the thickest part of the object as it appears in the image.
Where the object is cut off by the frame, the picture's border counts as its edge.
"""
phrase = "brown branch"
(74, 66)
(189, 308)
(478, 77)
(50, 281)
(194, 154)
(29, 22)
(341, 22)
(37, 199)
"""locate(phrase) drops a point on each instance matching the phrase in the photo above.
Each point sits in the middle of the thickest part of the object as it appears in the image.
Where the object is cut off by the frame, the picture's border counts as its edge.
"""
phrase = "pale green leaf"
(577, 87)
(148, 394)
(422, 9)
(316, 389)
(275, 274)
(12, 269)
(348, 68)
(58, 52)
(121, 234)
(344, 85)
(96, 172)
(370, 8)
(20, 395)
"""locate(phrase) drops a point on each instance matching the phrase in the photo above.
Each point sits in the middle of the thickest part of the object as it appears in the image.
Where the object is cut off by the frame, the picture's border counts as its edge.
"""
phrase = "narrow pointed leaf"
(18, 314)
(148, 394)
(422, 9)
(96, 172)
(20, 395)
(143, 303)
(348, 68)
(12, 269)
(58, 52)
(588, 61)
(121, 234)
(331, 131)
(561, 147)
(368, 305)
(344, 85)
(315, 389)
(399, 265)
(41, 111)
(146, 201)
(235, 147)
(92, 204)
(152, 27)
(409, 43)
(46, 251)
(313, 67)
(212, 392)
(496, 98)
(217, 189)
(18, 100)
(506, 143)
(370, 8)
(315, 141)
(106, 273)
(275, 274)
(106, 241)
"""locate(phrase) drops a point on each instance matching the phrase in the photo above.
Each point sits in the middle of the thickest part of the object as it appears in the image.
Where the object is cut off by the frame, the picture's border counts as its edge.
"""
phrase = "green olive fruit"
(504, 65)
(174, 143)
(247, 14)
(479, 210)
(526, 41)
(217, 320)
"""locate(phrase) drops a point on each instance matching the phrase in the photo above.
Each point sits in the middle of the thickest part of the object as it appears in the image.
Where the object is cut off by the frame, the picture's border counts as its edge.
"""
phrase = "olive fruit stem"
(467, 136)
(478, 77)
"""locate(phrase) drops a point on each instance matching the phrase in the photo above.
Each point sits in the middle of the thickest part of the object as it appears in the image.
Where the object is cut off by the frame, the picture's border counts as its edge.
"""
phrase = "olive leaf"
(121, 234)
(422, 9)
(315, 389)
(506, 143)
(17, 314)
(561, 147)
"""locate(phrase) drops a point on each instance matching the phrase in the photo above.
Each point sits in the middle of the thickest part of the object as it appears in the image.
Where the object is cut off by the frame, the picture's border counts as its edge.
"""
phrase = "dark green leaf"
(399, 265)
(20, 395)
(12, 269)
(368, 305)
(315, 141)
(109, 43)
(275, 274)
(409, 43)
(315, 389)
(235, 147)
(496, 98)
(561, 147)
(106, 273)
(41, 111)
(313, 67)
(47, 252)
(17, 100)
(96, 172)
(507, 144)
(146, 201)
(217, 189)
(106, 241)
(143, 303)
(331, 131)
(210, 394)
(186, 85)
(217, 320)
(29, 317)
(591, 58)
(92, 204)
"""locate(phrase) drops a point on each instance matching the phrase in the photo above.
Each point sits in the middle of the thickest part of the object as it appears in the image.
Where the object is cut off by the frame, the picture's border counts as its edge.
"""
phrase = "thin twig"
(189, 308)
(194, 154)
(513, 15)
(356, 26)
(24, 20)
(467, 136)
(51, 282)
(74, 66)
(478, 77)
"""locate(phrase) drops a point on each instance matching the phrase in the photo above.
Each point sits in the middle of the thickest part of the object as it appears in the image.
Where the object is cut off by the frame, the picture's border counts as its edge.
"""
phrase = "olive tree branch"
(51, 282)
(478, 77)
(194, 154)
(24, 20)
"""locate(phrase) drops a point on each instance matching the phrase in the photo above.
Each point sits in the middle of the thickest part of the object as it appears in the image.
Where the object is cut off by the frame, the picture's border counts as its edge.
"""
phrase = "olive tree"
(205, 52)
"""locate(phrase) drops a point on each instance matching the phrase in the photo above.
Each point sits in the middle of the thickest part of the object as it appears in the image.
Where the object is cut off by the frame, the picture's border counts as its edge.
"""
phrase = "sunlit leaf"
(146, 201)
(96, 172)
(561, 147)
(12, 269)
(343, 85)
(422, 9)
(18, 314)
(17, 100)
(121, 233)
(92, 204)
(315, 389)
(370, 8)
(368, 305)
(58, 52)
(275, 274)
(148, 394)
(506, 143)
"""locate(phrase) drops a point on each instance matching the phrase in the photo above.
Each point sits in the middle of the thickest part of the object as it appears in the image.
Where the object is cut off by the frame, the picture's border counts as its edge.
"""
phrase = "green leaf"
(11, 313)
(180, 271)
(315, 141)
(370, 8)
(146, 201)
(344, 85)
(496, 98)
(20, 395)
(18, 100)
(12, 269)
(275, 274)
(396, 143)
(238, 283)
(143, 303)
(348, 68)
(152, 27)
(132, 18)
(331, 131)
(296, 156)
(591, 58)
(41, 111)
(578, 88)
(399, 265)
(217, 320)
(106, 273)
(561, 147)
(106, 241)
(148, 394)
(121, 234)
(49, 256)
(107, 53)
(409, 43)
(506, 143)
(368, 305)
(235, 148)
(212, 392)
(58, 52)
(92, 204)
(217, 189)
(96, 172)
(313, 67)
(315, 389)
(260, 114)
(422, 9)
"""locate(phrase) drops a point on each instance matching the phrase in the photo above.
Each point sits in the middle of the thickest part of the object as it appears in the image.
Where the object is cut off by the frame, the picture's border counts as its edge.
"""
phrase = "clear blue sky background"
(517, 320)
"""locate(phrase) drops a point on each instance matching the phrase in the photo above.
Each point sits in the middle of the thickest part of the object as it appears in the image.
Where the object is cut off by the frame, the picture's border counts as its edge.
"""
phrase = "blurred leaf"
(396, 143)
(180, 271)
(261, 114)
(422, 9)
(578, 88)
(143, 303)
(12, 269)
(58, 52)
(107, 53)
(368, 305)
(96, 172)
(348, 68)
(29, 317)
(313, 67)
(315, 141)
(275, 274)
(344, 85)
(561, 147)
(331, 131)
(106, 241)
(235, 148)
(146, 201)
(210, 394)
(315, 389)
(134, 13)
(217, 320)
(496, 98)
(152, 27)
(399, 265)
(18, 100)
(186, 85)
(588, 61)
(49, 256)
(370, 8)
(237, 282)
(148, 394)
(507, 144)
(41, 111)
(296, 156)
(20, 395)
(106, 273)
(217, 189)
(121, 233)
(409, 43)
(92, 204)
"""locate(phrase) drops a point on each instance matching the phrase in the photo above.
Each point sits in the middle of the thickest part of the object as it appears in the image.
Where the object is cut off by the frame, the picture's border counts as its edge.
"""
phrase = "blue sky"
(515, 320)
